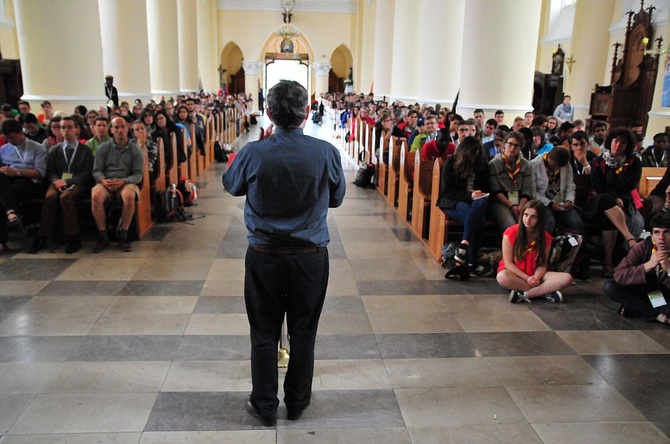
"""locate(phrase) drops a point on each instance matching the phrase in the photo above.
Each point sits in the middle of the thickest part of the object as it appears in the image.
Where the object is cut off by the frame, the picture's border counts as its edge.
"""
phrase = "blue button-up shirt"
(27, 155)
(290, 181)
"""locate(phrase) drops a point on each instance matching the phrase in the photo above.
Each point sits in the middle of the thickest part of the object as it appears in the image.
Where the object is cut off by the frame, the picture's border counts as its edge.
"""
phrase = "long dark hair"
(521, 241)
(467, 157)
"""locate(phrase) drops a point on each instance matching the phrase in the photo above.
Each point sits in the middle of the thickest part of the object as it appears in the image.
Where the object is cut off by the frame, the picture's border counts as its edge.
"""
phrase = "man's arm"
(233, 180)
(631, 270)
(338, 186)
(137, 165)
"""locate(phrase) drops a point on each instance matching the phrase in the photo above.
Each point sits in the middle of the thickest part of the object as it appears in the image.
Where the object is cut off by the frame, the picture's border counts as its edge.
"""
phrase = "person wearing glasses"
(510, 178)
(69, 171)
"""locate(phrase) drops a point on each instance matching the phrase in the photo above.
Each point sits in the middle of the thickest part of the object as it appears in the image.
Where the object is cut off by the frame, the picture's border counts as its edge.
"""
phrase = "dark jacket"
(81, 166)
(454, 189)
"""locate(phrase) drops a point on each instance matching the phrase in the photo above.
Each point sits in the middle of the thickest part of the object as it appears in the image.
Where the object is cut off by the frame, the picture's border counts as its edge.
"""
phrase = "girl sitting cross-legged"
(523, 268)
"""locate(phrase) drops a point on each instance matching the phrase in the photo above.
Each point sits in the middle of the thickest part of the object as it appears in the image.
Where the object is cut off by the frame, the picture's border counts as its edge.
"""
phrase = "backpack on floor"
(564, 249)
(189, 191)
(365, 175)
(220, 153)
(170, 205)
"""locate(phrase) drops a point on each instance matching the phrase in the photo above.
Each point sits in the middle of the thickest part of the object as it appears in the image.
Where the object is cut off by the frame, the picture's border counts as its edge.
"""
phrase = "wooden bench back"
(651, 176)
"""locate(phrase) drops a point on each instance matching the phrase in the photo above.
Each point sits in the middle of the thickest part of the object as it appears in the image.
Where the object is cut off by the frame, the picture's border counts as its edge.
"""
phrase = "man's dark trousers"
(278, 283)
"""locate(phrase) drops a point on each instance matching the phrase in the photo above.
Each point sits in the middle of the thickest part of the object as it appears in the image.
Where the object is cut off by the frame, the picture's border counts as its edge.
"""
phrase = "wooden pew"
(437, 219)
(405, 182)
(160, 167)
(393, 171)
(143, 208)
(173, 173)
(382, 167)
(421, 198)
(193, 158)
(651, 176)
(183, 167)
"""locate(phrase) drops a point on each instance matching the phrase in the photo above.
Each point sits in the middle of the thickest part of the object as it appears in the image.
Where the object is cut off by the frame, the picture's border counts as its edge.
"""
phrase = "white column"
(500, 78)
(51, 54)
(252, 71)
(129, 64)
(206, 36)
(440, 53)
(591, 24)
(383, 48)
(163, 47)
(188, 46)
(406, 65)
(321, 70)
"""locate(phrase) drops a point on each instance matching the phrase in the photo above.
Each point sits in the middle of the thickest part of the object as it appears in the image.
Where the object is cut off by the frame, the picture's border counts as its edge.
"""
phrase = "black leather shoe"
(252, 411)
(73, 244)
(294, 415)
(39, 245)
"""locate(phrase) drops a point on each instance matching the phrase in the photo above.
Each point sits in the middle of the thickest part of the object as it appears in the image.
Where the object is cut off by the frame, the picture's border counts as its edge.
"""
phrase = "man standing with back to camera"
(290, 180)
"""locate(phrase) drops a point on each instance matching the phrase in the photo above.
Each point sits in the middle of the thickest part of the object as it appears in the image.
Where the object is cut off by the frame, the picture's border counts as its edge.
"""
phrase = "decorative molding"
(38, 97)
(659, 113)
(321, 69)
(505, 108)
(252, 68)
(325, 6)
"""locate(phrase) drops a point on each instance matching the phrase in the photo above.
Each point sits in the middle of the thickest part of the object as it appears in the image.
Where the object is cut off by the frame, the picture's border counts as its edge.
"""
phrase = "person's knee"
(98, 198)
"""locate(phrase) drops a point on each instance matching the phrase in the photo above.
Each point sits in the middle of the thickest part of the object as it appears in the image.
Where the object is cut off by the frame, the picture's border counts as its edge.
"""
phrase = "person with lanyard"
(580, 155)
(510, 178)
(555, 188)
(657, 156)
(69, 170)
(23, 165)
(641, 284)
(525, 259)
(111, 91)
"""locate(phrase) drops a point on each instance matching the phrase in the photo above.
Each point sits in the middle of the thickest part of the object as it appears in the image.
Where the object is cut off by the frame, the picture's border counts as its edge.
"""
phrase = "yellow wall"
(9, 44)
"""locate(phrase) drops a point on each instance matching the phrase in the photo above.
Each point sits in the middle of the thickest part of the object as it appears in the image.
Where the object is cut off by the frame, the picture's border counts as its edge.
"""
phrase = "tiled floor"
(152, 346)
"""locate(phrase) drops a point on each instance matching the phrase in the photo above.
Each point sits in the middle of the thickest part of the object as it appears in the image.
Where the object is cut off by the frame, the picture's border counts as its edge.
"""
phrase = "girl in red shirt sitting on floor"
(523, 268)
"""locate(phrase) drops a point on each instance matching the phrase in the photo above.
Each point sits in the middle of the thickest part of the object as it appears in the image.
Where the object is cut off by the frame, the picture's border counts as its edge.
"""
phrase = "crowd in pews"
(55, 167)
(455, 178)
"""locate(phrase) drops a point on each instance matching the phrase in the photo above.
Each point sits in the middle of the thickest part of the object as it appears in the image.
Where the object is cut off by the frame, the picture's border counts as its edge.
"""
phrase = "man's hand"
(113, 184)
(9, 171)
(267, 133)
(60, 185)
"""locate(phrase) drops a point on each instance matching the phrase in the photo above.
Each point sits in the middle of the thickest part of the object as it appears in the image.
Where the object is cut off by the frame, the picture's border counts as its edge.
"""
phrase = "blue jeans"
(472, 215)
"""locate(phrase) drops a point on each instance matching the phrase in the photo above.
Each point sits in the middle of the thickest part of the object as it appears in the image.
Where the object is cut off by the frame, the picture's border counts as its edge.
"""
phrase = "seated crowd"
(97, 155)
(542, 177)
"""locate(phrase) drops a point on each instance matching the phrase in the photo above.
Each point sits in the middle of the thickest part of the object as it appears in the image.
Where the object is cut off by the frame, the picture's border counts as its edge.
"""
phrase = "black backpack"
(220, 153)
(170, 205)
(364, 176)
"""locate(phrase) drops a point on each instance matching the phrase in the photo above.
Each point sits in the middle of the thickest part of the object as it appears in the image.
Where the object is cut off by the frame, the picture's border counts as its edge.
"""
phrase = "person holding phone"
(464, 186)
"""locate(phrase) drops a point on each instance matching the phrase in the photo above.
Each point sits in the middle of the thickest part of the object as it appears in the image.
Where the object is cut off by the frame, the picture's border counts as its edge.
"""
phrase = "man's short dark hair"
(498, 112)
(560, 155)
(659, 136)
(661, 220)
(11, 126)
(287, 104)
(478, 110)
(29, 118)
(600, 124)
(22, 102)
(539, 120)
(101, 119)
(580, 135)
(565, 126)
(6, 108)
(492, 122)
(635, 123)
